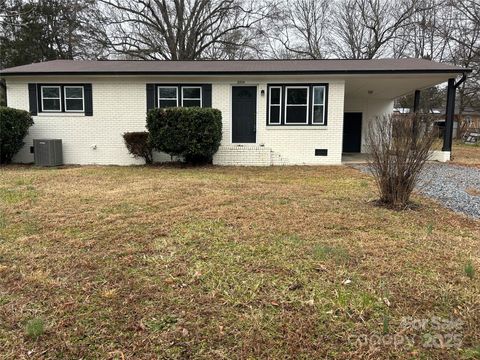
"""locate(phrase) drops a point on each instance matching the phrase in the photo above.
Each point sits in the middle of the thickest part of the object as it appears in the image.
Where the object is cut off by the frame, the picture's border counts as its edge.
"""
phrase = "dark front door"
(352, 132)
(244, 113)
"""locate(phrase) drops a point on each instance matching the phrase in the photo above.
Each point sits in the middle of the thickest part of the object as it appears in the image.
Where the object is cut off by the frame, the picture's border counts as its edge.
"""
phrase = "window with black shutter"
(60, 98)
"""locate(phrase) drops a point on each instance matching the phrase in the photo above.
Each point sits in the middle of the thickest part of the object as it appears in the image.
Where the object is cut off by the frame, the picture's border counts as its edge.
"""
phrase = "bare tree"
(471, 12)
(303, 30)
(399, 148)
(32, 31)
(181, 29)
(464, 37)
(240, 45)
(365, 28)
(444, 30)
(424, 35)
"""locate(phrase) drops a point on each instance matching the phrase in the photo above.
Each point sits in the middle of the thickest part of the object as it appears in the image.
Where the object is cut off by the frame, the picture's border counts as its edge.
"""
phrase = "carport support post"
(416, 104)
(416, 101)
(450, 111)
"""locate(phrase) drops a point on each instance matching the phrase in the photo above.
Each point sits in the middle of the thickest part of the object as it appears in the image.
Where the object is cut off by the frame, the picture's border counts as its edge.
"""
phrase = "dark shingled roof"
(376, 66)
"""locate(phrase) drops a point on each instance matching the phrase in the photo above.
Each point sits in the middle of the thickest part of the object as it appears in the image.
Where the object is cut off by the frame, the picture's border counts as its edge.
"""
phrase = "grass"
(35, 328)
(159, 325)
(473, 191)
(218, 262)
(338, 254)
(473, 353)
(469, 269)
(464, 154)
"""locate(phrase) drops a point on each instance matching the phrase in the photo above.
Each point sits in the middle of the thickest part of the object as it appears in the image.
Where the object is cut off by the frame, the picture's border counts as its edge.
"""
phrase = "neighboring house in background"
(402, 111)
(274, 111)
(468, 120)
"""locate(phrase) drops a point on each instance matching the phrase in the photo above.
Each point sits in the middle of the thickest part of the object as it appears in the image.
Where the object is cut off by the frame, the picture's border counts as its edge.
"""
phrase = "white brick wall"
(370, 109)
(119, 105)
(249, 155)
(297, 144)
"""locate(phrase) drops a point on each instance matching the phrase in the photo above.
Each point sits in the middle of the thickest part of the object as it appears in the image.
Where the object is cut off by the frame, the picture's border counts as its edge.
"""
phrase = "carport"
(368, 96)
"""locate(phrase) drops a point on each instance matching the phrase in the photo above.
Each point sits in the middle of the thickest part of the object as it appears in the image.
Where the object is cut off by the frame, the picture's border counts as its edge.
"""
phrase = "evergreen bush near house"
(193, 133)
(14, 126)
(138, 144)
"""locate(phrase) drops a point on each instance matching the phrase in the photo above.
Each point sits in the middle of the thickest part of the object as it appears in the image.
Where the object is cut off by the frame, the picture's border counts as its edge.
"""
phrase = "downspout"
(461, 81)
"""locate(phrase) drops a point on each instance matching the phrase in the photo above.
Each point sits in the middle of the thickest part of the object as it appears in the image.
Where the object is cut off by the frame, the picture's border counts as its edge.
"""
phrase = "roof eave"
(289, 72)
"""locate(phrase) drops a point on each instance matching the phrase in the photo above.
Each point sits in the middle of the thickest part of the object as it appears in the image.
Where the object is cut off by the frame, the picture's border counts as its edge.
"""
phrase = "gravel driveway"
(456, 187)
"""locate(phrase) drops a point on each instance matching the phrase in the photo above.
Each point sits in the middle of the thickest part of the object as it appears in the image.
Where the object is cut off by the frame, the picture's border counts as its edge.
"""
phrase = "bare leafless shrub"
(399, 146)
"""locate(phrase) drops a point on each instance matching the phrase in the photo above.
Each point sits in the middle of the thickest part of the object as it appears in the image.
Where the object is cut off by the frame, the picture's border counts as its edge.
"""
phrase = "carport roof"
(231, 67)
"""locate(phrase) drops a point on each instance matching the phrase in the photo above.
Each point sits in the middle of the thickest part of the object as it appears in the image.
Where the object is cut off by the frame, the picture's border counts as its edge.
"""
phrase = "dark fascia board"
(213, 73)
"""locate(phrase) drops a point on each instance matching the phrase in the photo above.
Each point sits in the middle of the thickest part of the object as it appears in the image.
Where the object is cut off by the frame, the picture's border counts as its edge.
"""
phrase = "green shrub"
(193, 133)
(14, 126)
(138, 144)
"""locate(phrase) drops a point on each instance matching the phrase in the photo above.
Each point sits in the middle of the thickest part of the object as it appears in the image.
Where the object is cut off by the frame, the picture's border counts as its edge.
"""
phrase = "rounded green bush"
(193, 133)
(14, 126)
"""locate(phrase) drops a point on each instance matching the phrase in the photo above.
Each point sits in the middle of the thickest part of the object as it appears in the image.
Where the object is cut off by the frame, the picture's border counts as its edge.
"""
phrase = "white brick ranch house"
(274, 111)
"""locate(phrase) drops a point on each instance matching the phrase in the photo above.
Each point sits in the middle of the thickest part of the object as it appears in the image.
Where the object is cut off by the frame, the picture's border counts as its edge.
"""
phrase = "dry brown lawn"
(468, 155)
(226, 263)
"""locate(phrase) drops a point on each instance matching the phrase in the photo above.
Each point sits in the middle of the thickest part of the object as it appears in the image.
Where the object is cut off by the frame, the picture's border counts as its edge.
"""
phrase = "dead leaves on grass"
(240, 262)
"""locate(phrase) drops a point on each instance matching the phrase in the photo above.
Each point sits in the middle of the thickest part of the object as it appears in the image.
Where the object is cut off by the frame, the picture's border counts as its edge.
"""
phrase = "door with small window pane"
(244, 113)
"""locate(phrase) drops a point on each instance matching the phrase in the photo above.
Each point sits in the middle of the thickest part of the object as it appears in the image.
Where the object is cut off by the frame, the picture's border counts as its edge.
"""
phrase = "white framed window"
(74, 99)
(318, 105)
(51, 98)
(167, 96)
(191, 96)
(296, 104)
(275, 105)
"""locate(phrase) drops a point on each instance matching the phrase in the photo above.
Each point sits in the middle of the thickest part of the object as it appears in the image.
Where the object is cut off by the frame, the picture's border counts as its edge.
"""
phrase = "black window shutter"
(87, 91)
(207, 95)
(150, 96)
(32, 98)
